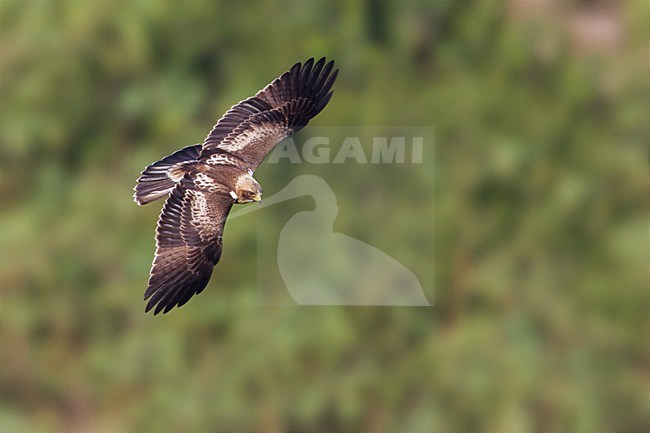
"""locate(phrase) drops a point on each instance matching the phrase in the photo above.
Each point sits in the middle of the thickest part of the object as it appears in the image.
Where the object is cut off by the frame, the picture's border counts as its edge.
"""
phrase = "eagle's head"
(247, 189)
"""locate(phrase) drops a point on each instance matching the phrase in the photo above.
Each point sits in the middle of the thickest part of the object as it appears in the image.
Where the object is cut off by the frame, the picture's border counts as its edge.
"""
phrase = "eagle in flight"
(203, 181)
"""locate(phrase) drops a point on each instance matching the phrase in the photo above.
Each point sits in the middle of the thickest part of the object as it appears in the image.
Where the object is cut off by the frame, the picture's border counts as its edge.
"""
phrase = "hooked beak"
(257, 197)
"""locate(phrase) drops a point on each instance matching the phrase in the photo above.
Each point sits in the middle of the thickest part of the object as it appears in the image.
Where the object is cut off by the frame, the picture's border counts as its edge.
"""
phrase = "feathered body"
(202, 182)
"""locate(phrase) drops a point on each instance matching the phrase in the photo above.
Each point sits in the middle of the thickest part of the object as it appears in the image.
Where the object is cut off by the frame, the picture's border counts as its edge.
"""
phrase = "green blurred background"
(540, 321)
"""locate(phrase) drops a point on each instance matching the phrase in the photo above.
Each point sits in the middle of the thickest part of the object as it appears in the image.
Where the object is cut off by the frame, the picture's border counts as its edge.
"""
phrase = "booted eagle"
(202, 182)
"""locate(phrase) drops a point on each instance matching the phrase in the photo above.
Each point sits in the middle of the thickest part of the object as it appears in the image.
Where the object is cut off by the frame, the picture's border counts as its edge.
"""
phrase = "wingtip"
(312, 62)
(326, 65)
(295, 69)
(155, 305)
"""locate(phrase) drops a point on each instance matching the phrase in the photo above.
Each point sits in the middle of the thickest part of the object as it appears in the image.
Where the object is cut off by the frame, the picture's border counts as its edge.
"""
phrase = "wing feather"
(188, 243)
(251, 128)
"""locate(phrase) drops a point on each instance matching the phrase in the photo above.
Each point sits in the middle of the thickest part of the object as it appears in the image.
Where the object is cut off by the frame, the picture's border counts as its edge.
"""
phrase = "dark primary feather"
(188, 244)
(250, 129)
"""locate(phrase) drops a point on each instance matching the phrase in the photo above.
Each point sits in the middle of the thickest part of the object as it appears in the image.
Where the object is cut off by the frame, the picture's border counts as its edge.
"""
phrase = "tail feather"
(160, 178)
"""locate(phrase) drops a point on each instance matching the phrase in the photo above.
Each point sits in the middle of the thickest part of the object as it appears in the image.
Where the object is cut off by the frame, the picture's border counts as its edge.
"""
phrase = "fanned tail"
(160, 178)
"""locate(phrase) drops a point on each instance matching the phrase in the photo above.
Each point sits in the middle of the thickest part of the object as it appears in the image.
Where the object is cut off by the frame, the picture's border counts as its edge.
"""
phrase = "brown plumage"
(203, 181)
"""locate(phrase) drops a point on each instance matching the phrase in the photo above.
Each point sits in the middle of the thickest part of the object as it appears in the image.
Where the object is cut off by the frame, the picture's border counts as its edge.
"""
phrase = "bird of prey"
(202, 182)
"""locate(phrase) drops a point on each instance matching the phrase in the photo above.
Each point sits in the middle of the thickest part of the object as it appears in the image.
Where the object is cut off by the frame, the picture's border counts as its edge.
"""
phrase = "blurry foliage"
(540, 320)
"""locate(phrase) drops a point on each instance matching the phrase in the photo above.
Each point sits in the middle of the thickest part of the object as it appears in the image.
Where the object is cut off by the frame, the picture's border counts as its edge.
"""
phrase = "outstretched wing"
(188, 242)
(250, 129)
